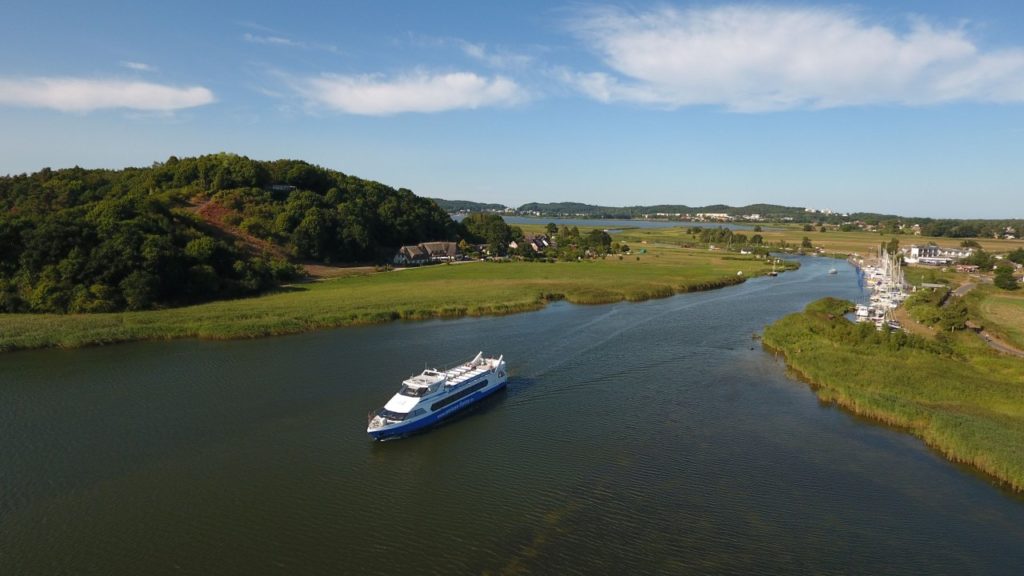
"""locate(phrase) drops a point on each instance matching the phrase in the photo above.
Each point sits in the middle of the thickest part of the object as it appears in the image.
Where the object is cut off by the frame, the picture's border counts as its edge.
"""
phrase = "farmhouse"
(427, 252)
(933, 254)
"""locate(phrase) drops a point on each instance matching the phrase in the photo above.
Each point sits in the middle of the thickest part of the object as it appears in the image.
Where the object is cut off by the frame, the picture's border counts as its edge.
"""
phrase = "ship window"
(397, 416)
(458, 395)
(410, 391)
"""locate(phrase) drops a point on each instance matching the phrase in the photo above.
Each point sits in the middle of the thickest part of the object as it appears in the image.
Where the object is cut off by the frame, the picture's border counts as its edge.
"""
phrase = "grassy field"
(474, 288)
(962, 398)
(1001, 312)
(833, 243)
(866, 243)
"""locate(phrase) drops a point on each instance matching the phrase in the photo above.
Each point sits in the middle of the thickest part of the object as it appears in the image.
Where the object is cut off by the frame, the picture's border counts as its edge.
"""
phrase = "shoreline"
(956, 431)
(88, 330)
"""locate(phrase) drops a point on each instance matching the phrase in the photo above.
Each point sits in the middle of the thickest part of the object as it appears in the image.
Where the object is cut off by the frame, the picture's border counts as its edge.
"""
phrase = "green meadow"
(1001, 312)
(439, 291)
(951, 390)
(833, 242)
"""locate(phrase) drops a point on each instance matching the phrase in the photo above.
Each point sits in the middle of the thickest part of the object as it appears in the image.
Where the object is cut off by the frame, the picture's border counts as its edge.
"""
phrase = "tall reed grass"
(952, 391)
(443, 291)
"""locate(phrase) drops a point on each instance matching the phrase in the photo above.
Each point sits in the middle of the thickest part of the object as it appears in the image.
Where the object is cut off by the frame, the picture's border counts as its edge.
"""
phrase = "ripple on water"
(653, 437)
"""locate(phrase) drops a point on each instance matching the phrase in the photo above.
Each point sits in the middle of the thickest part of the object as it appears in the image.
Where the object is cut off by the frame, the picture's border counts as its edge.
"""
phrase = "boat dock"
(888, 289)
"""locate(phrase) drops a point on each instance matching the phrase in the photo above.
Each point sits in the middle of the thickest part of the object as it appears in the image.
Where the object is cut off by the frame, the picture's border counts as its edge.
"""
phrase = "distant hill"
(773, 212)
(553, 209)
(454, 206)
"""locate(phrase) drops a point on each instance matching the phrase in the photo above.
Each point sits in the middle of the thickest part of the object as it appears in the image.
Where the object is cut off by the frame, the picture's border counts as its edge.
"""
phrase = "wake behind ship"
(434, 395)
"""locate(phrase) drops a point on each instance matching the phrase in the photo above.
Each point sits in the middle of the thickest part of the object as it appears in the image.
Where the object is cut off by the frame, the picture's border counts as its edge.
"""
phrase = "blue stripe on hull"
(428, 421)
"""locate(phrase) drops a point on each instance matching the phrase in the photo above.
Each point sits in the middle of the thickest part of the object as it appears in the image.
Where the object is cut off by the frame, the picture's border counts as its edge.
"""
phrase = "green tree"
(806, 243)
(1004, 278)
(981, 259)
(599, 241)
(490, 229)
(139, 290)
(953, 315)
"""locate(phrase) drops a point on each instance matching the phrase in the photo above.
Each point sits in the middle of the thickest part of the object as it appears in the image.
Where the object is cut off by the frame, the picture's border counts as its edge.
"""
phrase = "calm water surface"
(634, 438)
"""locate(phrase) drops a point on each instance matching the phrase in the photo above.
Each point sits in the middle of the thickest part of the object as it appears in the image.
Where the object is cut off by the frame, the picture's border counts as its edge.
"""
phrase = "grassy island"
(440, 291)
(951, 390)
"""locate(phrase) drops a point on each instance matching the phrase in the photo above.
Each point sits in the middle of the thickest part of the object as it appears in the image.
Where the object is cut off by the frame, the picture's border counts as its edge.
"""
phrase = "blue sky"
(913, 107)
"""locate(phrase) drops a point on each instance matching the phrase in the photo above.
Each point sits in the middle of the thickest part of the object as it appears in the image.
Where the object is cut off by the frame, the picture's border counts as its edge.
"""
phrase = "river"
(634, 438)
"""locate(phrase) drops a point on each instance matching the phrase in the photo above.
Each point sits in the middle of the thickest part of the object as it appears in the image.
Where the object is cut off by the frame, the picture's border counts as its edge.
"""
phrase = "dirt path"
(996, 344)
(912, 326)
(992, 340)
(213, 215)
(963, 289)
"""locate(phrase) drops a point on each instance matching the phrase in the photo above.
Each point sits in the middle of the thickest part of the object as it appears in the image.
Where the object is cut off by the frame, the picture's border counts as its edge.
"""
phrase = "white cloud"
(375, 95)
(754, 58)
(69, 94)
(138, 66)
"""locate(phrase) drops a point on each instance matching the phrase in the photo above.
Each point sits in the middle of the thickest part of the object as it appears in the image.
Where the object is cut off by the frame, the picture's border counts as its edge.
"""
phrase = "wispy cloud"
(495, 58)
(269, 39)
(70, 94)
(757, 58)
(272, 39)
(138, 66)
(424, 92)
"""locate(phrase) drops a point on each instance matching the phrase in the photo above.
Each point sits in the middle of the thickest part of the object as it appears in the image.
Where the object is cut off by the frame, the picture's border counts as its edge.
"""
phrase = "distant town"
(1008, 229)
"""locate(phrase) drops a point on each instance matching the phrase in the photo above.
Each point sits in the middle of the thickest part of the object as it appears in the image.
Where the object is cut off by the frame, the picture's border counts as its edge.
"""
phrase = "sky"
(913, 107)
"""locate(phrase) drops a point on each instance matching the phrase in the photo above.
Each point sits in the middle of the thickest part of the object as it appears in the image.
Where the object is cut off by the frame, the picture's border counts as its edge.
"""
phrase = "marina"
(887, 288)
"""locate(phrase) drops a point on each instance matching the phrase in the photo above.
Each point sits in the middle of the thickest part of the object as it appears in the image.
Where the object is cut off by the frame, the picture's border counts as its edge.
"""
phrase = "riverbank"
(960, 397)
(442, 291)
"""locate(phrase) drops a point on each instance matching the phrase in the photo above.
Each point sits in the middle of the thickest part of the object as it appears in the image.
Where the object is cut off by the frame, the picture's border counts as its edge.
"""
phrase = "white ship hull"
(435, 395)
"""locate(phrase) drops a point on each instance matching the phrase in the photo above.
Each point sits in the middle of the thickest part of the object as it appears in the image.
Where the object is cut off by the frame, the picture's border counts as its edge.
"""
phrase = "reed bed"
(441, 291)
(960, 397)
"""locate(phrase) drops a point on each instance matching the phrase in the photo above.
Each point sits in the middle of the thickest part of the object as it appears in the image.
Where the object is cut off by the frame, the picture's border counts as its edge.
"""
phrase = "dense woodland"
(190, 230)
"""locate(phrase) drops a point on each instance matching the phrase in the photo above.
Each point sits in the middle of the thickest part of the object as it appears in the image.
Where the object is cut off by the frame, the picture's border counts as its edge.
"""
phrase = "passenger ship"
(435, 394)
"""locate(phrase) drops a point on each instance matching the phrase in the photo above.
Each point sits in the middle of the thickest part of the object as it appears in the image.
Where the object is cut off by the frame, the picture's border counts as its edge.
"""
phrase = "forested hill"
(191, 229)
(466, 206)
